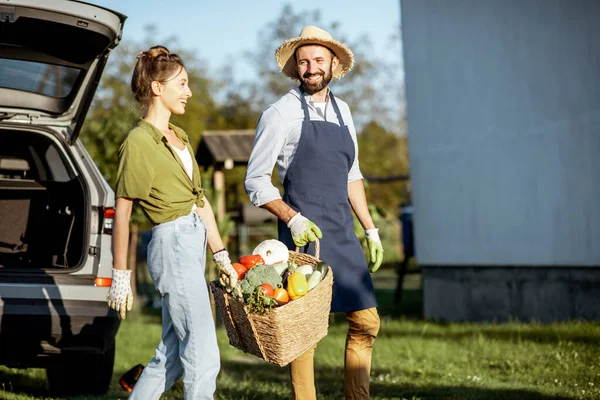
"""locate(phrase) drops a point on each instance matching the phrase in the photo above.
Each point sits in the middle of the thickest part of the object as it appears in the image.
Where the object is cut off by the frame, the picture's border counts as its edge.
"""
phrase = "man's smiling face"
(315, 65)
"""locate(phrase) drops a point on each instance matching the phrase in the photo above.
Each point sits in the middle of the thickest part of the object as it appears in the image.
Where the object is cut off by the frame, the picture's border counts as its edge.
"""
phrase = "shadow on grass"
(15, 381)
(18, 381)
(456, 393)
(509, 333)
(330, 385)
(249, 379)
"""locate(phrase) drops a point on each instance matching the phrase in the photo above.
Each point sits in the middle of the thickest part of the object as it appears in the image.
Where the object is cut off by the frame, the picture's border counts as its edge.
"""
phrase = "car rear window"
(46, 79)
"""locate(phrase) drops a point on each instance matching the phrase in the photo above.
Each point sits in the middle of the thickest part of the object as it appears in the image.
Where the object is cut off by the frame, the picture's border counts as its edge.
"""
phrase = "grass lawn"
(412, 359)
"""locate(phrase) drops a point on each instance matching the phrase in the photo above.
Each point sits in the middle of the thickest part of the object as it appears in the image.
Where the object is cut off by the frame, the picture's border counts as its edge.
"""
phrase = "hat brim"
(287, 64)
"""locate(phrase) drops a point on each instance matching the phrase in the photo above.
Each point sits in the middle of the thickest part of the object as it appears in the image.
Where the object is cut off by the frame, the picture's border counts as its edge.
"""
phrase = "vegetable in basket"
(314, 279)
(251, 261)
(323, 267)
(292, 265)
(306, 269)
(257, 276)
(281, 296)
(297, 285)
(240, 270)
(267, 289)
(281, 267)
(259, 303)
(285, 277)
(272, 251)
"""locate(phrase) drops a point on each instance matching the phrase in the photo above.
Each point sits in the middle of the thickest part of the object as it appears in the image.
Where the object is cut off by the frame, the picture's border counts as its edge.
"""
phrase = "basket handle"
(317, 248)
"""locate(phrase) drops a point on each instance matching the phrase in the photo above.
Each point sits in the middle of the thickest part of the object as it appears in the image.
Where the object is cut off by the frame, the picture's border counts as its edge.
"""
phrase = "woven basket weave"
(282, 333)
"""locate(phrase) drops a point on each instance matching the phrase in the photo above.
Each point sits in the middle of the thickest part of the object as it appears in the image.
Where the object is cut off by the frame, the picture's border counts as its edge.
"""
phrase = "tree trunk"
(399, 286)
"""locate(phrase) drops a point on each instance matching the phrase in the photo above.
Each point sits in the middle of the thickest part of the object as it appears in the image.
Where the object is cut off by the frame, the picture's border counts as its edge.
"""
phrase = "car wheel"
(77, 374)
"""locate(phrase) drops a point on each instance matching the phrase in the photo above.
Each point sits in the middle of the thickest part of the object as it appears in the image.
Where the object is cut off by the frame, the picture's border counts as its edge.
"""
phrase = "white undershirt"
(321, 106)
(186, 159)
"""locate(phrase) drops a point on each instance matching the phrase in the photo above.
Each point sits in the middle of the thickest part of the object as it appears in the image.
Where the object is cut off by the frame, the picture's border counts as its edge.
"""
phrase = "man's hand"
(375, 249)
(303, 230)
(120, 296)
(227, 275)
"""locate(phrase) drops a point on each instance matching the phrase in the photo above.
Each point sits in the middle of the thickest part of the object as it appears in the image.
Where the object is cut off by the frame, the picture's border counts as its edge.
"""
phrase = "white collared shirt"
(277, 137)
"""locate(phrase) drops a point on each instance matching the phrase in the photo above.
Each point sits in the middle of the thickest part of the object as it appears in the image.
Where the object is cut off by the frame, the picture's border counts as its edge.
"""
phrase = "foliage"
(258, 303)
(368, 89)
(226, 226)
(218, 102)
(383, 153)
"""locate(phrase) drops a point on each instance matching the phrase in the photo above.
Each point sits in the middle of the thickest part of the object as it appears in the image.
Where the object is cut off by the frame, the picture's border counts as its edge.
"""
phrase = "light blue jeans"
(176, 262)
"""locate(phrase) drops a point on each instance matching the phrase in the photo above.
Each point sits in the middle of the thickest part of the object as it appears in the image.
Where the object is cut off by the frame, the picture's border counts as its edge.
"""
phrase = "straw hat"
(313, 35)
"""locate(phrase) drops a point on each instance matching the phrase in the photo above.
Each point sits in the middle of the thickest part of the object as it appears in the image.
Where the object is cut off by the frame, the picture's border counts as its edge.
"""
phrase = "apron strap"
(337, 109)
(338, 113)
(304, 105)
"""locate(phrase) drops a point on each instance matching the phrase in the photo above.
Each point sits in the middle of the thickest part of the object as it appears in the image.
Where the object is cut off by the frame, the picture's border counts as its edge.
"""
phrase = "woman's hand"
(227, 275)
(120, 295)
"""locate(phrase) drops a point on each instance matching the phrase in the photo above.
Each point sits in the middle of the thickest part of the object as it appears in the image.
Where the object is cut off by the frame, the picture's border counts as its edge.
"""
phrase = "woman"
(157, 169)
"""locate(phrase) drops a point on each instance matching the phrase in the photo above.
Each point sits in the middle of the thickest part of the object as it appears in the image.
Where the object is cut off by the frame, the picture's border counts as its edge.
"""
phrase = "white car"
(56, 209)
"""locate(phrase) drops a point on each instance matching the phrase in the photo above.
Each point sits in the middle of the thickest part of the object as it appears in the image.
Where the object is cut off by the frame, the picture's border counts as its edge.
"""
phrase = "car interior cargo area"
(41, 204)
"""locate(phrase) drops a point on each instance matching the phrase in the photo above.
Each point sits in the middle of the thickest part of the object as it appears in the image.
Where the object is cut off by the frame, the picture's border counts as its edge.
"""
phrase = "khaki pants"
(363, 327)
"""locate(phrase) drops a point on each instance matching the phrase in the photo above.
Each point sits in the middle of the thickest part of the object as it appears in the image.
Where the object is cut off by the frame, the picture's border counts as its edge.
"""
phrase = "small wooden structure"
(222, 150)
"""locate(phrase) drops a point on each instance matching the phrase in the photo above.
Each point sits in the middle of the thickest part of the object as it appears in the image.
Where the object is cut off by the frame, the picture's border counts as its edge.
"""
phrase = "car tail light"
(103, 282)
(109, 218)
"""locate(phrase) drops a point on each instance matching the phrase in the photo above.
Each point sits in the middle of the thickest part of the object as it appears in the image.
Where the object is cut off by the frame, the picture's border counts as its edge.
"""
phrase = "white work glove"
(303, 230)
(120, 295)
(375, 249)
(227, 275)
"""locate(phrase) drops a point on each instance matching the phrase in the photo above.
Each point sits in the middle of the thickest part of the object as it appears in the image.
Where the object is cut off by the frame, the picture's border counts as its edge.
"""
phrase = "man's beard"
(312, 88)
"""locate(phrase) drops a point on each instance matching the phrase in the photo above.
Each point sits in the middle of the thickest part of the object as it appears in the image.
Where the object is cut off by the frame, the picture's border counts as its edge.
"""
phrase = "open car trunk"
(43, 204)
(52, 54)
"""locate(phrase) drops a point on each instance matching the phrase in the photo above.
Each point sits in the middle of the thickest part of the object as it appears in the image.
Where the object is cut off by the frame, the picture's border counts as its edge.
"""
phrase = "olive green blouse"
(151, 173)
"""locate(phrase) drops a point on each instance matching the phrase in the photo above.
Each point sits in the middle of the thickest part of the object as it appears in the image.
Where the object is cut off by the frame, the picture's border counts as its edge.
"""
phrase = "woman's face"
(175, 92)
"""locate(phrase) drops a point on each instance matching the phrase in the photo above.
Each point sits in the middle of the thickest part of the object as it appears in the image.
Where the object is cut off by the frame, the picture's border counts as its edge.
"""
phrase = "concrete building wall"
(503, 107)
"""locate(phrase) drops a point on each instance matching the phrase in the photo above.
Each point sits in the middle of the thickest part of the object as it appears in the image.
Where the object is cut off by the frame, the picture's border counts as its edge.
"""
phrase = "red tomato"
(251, 260)
(240, 269)
(267, 289)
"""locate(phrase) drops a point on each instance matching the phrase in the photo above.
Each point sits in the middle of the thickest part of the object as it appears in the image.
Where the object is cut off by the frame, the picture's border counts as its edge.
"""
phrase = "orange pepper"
(281, 296)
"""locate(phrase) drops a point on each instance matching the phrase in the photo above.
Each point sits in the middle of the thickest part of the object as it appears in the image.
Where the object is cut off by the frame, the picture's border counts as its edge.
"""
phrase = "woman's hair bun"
(154, 52)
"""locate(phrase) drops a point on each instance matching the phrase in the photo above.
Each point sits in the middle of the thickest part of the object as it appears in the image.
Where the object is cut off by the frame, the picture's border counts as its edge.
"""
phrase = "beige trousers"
(363, 327)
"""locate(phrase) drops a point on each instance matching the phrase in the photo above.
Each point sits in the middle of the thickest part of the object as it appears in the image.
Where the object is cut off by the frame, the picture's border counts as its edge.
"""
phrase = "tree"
(383, 153)
(362, 88)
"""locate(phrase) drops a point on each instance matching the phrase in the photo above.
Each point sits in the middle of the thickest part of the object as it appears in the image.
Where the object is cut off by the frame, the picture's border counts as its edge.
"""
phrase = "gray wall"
(503, 107)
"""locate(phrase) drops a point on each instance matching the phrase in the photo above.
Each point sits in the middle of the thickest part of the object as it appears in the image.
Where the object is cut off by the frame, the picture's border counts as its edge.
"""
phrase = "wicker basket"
(282, 333)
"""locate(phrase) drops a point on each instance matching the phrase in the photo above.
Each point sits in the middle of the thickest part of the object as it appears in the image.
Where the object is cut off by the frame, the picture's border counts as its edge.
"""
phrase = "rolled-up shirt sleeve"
(354, 174)
(271, 134)
(135, 173)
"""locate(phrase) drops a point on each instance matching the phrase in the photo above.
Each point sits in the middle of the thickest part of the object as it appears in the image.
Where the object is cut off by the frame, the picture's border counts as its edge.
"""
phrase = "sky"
(221, 30)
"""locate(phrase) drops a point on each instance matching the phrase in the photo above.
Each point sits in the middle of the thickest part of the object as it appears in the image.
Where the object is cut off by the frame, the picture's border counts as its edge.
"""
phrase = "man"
(310, 135)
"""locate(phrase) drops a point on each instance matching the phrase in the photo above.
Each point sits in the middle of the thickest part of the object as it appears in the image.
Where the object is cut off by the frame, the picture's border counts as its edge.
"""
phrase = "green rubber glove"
(303, 230)
(375, 249)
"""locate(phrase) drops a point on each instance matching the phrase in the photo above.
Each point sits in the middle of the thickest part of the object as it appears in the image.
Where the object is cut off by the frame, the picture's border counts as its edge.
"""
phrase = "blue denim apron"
(316, 184)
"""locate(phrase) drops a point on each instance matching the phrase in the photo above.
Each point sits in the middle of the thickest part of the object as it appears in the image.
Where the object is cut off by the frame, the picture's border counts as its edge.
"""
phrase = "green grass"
(412, 359)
